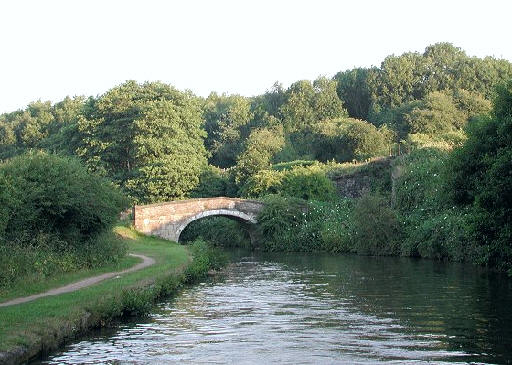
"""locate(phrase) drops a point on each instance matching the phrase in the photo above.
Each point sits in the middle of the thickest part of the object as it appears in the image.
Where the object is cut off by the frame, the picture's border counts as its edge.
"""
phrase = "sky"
(51, 49)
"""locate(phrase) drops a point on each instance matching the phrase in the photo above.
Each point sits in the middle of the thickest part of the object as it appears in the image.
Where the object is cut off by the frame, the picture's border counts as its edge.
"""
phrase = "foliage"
(56, 195)
(308, 103)
(291, 164)
(442, 67)
(261, 145)
(437, 114)
(227, 122)
(206, 258)
(375, 227)
(214, 182)
(47, 257)
(350, 139)
(480, 176)
(352, 89)
(40, 125)
(219, 231)
(441, 235)
(308, 183)
(290, 224)
(419, 182)
(147, 138)
(304, 182)
(263, 183)
(54, 217)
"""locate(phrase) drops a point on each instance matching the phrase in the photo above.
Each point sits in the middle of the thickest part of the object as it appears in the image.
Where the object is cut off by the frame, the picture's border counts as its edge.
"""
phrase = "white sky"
(50, 49)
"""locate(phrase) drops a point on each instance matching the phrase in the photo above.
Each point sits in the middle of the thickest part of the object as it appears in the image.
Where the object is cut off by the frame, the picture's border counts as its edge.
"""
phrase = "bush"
(291, 164)
(264, 182)
(290, 224)
(479, 176)
(309, 183)
(350, 139)
(376, 230)
(443, 235)
(206, 258)
(55, 218)
(419, 185)
(56, 196)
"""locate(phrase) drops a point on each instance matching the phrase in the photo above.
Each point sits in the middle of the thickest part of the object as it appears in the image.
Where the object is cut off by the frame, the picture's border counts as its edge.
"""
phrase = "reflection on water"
(322, 309)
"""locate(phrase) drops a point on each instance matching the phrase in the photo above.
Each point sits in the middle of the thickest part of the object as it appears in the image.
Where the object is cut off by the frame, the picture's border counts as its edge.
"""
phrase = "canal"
(318, 309)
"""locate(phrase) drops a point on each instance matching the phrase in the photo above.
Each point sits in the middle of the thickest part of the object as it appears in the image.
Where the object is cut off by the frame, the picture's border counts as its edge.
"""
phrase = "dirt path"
(147, 261)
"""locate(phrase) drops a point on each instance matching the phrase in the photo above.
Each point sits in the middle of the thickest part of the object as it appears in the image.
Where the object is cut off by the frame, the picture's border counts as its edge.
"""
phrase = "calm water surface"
(319, 309)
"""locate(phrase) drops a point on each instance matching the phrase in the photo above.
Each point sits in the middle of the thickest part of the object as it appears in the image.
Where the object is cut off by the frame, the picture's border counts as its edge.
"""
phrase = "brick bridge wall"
(168, 220)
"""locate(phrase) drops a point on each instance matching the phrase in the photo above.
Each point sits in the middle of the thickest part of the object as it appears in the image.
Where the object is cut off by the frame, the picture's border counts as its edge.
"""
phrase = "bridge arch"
(234, 214)
(168, 220)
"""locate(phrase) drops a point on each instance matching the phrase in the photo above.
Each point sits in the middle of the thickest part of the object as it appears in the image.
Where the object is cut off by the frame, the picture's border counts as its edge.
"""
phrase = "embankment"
(35, 328)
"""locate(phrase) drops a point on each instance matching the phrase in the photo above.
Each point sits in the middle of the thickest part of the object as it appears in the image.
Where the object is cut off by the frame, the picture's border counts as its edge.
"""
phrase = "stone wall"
(361, 182)
(167, 220)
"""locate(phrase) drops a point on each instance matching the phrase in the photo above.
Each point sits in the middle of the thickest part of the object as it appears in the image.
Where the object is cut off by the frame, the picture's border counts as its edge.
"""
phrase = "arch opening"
(223, 231)
(230, 228)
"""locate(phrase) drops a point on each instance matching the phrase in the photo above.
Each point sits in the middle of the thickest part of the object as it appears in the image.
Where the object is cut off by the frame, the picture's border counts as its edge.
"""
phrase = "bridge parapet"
(168, 220)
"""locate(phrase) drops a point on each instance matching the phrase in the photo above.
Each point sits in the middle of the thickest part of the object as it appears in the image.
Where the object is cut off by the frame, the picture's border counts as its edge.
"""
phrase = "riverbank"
(32, 329)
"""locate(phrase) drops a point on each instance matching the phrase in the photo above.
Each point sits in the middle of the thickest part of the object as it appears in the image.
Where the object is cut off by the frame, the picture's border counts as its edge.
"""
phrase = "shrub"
(290, 224)
(57, 196)
(376, 230)
(264, 182)
(350, 139)
(442, 235)
(307, 183)
(479, 176)
(291, 164)
(419, 185)
(55, 218)
(206, 257)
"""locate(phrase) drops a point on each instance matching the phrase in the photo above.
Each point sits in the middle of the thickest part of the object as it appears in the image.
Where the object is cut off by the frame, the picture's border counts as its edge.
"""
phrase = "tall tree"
(147, 138)
(352, 88)
(226, 120)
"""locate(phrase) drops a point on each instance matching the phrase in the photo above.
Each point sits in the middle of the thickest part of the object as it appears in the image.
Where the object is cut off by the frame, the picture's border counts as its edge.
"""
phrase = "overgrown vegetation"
(55, 217)
(43, 325)
(451, 186)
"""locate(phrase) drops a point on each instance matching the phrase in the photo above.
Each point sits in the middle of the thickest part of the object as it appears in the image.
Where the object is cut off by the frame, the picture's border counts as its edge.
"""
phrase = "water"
(319, 309)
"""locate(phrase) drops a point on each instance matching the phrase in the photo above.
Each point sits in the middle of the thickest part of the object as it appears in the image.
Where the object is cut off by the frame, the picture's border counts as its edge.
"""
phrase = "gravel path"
(147, 261)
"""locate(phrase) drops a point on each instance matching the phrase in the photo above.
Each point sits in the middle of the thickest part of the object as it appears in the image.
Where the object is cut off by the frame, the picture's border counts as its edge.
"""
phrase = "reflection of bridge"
(168, 220)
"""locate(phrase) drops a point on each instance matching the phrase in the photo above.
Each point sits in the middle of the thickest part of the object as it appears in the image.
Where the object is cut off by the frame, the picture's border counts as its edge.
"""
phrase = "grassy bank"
(34, 328)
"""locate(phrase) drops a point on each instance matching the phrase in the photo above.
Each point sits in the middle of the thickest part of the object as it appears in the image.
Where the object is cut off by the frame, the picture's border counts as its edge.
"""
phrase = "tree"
(226, 120)
(147, 138)
(352, 89)
(349, 139)
(479, 176)
(308, 103)
(261, 145)
(436, 114)
(399, 80)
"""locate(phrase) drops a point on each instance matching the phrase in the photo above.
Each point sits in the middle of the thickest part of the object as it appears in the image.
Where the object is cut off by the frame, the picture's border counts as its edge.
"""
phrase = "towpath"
(146, 261)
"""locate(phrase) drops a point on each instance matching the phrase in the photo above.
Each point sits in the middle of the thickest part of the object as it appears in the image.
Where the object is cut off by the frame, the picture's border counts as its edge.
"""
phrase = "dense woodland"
(447, 114)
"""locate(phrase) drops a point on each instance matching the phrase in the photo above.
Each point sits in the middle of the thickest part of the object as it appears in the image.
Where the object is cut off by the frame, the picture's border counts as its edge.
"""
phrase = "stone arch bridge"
(168, 220)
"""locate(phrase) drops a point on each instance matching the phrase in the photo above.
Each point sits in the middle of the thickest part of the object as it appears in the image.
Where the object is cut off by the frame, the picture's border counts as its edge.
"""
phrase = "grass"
(45, 323)
(29, 287)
